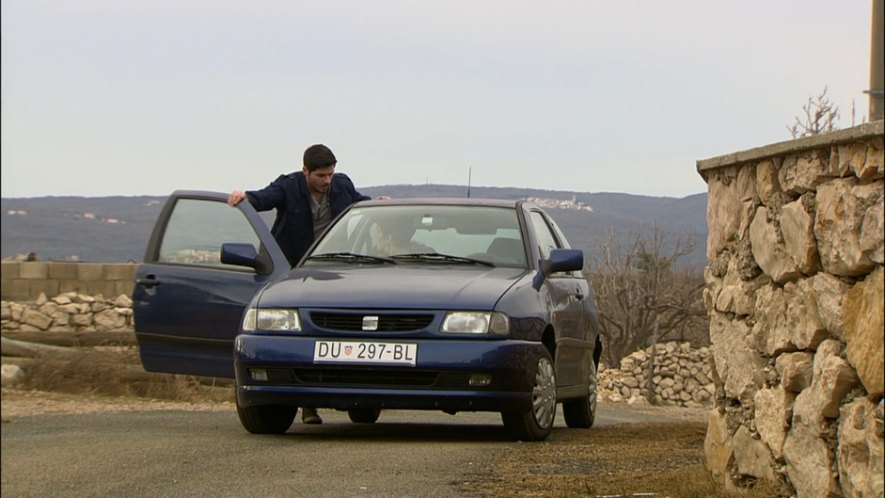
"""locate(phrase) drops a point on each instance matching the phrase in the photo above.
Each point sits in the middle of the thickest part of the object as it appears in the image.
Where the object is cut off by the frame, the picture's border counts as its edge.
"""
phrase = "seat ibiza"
(421, 304)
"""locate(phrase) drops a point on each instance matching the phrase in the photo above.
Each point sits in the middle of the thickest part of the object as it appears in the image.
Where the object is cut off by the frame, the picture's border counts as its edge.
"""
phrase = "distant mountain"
(116, 229)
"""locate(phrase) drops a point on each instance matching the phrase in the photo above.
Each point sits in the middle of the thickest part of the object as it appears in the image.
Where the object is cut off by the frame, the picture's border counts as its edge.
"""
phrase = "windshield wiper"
(434, 256)
(349, 256)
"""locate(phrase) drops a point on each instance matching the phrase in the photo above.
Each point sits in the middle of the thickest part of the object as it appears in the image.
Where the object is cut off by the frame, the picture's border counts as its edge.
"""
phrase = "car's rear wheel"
(364, 415)
(581, 412)
(536, 424)
(267, 419)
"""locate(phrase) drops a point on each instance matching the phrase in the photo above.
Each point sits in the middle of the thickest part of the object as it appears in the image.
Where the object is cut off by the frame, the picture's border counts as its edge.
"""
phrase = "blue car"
(424, 304)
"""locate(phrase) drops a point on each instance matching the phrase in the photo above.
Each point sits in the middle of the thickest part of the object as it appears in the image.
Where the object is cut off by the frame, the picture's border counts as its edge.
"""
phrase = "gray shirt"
(322, 214)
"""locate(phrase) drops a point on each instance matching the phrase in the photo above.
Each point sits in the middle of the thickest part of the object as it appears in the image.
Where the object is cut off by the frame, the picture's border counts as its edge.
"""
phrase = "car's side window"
(196, 230)
(546, 241)
(547, 238)
(563, 243)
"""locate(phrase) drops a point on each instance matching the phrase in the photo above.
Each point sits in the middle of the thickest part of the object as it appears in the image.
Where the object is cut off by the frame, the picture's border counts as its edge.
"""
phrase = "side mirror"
(242, 254)
(560, 260)
(566, 260)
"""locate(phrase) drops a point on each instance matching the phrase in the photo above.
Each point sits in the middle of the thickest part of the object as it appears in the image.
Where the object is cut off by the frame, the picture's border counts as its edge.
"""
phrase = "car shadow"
(400, 431)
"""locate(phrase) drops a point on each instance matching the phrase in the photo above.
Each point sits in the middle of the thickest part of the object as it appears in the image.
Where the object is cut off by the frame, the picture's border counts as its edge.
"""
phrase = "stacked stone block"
(68, 312)
(681, 376)
(25, 280)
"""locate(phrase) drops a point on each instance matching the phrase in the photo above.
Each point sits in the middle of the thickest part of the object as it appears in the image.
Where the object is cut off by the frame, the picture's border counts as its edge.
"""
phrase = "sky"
(109, 97)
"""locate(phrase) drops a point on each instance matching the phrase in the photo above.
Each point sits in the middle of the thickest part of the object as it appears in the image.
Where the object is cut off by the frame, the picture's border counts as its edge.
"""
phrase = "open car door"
(187, 302)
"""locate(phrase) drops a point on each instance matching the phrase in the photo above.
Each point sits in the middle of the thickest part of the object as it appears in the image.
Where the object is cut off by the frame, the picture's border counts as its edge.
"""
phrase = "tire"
(364, 415)
(581, 413)
(536, 424)
(267, 419)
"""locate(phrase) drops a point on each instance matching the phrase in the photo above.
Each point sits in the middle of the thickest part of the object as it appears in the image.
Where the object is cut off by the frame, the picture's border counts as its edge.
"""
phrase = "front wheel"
(536, 424)
(267, 419)
(364, 415)
(581, 413)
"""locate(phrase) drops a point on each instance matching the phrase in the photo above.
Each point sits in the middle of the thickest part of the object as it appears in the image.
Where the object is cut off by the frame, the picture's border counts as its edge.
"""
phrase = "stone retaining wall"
(682, 376)
(68, 312)
(794, 292)
(26, 280)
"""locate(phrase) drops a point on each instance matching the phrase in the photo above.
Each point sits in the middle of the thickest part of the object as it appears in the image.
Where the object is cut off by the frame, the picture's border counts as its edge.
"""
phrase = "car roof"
(445, 201)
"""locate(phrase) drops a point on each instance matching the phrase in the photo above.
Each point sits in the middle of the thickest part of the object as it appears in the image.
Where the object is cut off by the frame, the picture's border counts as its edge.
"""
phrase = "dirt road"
(55, 444)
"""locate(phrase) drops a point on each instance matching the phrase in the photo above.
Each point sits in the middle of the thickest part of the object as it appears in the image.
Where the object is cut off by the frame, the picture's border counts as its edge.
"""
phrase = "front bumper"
(440, 379)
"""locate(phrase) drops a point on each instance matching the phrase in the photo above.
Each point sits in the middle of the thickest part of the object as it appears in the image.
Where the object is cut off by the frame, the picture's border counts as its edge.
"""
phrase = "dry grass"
(118, 372)
(660, 460)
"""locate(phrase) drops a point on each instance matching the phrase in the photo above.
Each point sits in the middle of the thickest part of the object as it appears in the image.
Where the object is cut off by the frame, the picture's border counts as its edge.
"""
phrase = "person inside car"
(395, 240)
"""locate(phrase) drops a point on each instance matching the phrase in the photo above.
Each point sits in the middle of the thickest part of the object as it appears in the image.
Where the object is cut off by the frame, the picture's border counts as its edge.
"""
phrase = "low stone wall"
(68, 312)
(26, 280)
(681, 376)
(794, 292)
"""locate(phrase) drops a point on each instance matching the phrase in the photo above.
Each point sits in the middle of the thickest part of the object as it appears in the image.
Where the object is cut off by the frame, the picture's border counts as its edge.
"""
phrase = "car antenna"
(469, 171)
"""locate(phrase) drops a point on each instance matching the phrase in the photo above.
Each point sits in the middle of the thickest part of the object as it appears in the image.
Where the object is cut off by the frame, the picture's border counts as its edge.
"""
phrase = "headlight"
(476, 322)
(274, 319)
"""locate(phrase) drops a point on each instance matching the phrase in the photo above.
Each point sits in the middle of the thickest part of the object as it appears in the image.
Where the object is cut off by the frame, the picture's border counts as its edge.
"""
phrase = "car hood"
(393, 287)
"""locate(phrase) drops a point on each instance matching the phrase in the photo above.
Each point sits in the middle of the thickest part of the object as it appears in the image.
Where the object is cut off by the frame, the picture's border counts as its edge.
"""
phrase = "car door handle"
(578, 294)
(148, 281)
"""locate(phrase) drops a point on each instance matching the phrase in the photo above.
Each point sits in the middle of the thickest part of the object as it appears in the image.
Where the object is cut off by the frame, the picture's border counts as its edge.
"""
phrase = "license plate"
(396, 353)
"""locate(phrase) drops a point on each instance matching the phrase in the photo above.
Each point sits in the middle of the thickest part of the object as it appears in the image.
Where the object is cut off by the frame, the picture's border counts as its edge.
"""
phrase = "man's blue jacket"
(293, 226)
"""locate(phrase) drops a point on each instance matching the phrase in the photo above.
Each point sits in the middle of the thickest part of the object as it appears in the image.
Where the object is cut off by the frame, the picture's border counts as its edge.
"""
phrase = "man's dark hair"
(318, 156)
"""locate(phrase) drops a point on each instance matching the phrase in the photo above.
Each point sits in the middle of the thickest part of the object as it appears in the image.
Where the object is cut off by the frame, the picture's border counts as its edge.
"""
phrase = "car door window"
(196, 230)
(563, 243)
(549, 238)
(546, 241)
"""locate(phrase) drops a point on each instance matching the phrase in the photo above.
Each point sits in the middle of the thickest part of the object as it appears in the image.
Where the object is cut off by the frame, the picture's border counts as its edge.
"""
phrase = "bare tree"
(640, 287)
(820, 116)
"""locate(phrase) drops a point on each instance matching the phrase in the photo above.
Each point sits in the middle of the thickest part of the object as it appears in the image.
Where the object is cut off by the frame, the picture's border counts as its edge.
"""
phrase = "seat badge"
(370, 323)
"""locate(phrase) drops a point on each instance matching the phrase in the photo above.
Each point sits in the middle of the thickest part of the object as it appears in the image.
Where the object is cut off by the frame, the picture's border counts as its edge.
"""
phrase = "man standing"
(306, 202)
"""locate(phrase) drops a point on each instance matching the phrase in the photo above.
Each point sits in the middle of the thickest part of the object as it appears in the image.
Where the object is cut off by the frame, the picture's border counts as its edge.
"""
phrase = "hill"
(116, 229)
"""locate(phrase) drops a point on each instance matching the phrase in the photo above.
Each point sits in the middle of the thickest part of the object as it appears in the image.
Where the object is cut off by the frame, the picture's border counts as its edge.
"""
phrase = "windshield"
(458, 233)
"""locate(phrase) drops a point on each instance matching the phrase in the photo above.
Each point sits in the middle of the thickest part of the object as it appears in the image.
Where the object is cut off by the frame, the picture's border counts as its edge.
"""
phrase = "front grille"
(279, 376)
(367, 378)
(350, 322)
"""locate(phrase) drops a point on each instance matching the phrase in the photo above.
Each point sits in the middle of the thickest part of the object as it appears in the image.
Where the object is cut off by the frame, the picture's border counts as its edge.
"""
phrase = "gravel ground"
(625, 460)
(629, 459)
(17, 403)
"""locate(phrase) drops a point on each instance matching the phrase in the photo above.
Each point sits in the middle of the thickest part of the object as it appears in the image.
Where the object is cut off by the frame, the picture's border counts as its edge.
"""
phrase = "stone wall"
(26, 280)
(794, 292)
(68, 312)
(681, 376)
